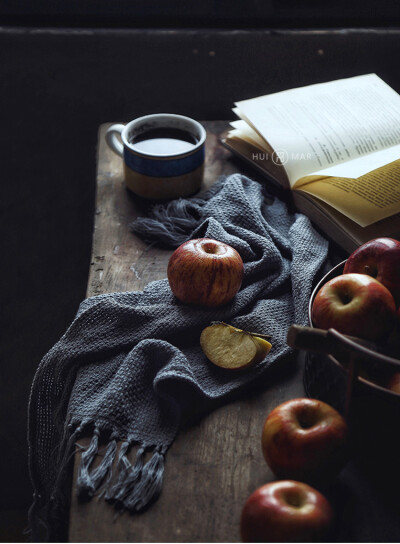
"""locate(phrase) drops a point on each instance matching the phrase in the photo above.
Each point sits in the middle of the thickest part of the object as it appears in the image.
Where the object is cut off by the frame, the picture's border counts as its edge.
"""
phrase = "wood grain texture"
(214, 465)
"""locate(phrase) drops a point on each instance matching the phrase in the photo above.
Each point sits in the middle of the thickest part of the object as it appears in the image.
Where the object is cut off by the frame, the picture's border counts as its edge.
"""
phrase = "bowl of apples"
(352, 359)
(359, 298)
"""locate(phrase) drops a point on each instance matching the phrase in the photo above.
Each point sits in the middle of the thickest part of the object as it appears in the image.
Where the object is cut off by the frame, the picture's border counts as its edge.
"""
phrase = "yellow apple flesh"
(232, 348)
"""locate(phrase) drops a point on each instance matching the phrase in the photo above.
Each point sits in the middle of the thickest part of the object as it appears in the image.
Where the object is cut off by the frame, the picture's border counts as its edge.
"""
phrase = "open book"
(336, 145)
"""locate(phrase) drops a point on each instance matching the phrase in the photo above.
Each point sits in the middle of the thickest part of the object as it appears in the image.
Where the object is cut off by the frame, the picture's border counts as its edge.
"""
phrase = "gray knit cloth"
(130, 367)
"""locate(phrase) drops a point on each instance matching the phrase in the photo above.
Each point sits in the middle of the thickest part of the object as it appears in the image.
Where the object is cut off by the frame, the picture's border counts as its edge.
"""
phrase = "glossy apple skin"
(305, 439)
(379, 258)
(355, 304)
(205, 272)
(285, 511)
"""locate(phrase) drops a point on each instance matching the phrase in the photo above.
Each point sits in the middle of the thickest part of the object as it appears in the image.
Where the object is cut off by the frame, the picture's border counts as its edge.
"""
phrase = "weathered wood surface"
(214, 465)
(211, 467)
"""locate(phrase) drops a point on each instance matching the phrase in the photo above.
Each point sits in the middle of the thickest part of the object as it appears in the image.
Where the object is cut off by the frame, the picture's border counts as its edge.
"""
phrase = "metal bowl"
(335, 369)
(374, 413)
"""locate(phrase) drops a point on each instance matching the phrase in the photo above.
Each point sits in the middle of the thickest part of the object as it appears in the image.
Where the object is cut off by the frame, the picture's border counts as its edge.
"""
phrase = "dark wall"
(56, 87)
(216, 13)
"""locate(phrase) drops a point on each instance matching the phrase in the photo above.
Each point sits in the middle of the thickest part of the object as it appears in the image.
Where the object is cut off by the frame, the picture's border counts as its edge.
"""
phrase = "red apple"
(205, 272)
(305, 439)
(355, 304)
(379, 258)
(285, 511)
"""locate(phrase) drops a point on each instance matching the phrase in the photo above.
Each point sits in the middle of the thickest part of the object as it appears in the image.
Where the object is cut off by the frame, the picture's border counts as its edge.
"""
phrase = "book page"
(371, 194)
(242, 130)
(313, 128)
(357, 167)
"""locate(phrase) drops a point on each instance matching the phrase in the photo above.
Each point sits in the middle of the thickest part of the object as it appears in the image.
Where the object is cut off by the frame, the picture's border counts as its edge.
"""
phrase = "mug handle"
(112, 139)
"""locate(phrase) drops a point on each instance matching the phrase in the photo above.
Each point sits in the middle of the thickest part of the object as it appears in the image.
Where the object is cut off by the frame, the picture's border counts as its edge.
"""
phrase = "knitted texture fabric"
(130, 368)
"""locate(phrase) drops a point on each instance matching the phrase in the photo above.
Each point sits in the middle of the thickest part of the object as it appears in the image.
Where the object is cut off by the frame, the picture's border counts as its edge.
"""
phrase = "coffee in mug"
(163, 155)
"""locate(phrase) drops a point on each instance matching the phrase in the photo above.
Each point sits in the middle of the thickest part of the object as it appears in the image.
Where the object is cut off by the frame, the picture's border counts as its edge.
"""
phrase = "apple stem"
(220, 323)
(264, 336)
(370, 271)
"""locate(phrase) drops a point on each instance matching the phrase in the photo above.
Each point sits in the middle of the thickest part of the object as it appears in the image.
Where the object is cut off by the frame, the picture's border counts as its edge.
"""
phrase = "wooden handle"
(332, 342)
(318, 340)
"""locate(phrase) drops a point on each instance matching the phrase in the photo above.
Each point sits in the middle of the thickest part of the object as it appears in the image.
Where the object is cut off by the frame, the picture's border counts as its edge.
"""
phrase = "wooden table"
(214, 465)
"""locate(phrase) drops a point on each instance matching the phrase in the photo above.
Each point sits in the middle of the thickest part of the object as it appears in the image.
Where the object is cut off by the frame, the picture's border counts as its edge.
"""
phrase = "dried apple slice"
(232, 348)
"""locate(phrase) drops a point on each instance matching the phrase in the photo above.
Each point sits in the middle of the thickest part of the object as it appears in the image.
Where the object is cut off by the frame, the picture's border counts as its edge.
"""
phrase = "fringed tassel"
(135, 487)
(171, 224)
(123, 468)
(128, 475)
(139, 485)
(45, 512)
(66, 453)
(36, 523)
(84, 485)
(104, 471)
(149, 486)
(88, 482)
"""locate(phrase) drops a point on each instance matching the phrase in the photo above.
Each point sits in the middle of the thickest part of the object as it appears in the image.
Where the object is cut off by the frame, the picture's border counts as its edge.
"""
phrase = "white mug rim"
(132, 123)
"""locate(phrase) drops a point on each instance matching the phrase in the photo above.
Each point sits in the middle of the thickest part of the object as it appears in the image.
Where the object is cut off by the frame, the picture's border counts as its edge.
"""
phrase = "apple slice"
(232, 348)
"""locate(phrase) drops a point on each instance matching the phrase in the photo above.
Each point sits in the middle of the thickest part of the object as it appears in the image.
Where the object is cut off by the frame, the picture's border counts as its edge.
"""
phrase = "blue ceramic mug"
(163, 154)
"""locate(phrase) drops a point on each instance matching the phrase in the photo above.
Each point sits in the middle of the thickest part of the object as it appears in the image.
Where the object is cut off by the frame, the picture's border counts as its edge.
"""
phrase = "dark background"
(208, 13)
(65, 68)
